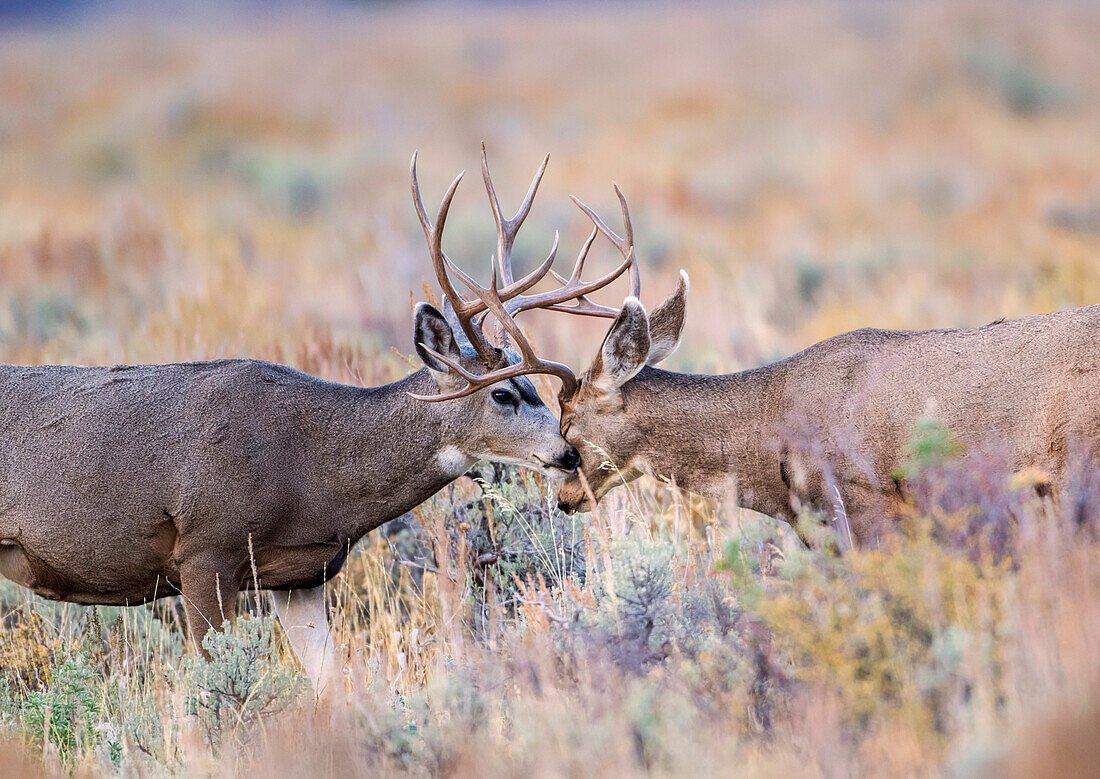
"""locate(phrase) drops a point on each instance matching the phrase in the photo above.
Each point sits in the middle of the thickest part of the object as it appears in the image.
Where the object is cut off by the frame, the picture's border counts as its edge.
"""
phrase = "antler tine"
(623, 244)
(628, 235)
(464, 310)
(584, 306)
(578, 267)
(569, 381)
(508, 228)
(573, 289)
(417, 202)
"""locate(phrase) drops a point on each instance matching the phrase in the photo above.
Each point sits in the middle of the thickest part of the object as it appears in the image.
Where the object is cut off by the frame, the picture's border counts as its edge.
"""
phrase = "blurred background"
(191, 180)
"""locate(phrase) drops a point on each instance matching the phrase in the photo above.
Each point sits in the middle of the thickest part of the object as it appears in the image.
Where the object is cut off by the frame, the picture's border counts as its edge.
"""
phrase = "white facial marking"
(453, 462)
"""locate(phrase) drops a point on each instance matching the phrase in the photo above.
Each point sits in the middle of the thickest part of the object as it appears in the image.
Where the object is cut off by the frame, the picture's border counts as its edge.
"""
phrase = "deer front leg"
(305, 621)
(209, 597)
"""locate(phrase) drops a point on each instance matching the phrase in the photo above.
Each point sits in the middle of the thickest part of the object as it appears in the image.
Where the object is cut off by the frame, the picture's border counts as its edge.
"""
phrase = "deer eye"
(503, 398)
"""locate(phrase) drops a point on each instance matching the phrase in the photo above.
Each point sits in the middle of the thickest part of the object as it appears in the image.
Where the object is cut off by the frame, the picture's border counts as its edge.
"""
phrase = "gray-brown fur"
(1026, 388)
(122, 484)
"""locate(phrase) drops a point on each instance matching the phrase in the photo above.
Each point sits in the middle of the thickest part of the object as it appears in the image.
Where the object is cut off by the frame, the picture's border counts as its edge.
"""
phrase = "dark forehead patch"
(526, 390)
(521, 384)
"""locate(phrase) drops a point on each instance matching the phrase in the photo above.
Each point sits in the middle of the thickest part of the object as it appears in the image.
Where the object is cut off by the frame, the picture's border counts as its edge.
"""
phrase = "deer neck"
(385, 453)
(713, 435)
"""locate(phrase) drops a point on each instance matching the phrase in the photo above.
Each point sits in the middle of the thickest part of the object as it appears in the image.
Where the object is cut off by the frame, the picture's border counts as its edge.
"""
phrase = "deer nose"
(564, 507)
(571, 460)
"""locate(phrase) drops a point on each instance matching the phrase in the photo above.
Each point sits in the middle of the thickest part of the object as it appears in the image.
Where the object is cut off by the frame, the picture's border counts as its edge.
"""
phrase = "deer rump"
(109, 477)
(1025, 390)
(1029, 384)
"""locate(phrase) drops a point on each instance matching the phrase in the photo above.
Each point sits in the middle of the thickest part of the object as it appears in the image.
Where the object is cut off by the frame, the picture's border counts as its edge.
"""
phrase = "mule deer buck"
(123, 484)
(1026, 389)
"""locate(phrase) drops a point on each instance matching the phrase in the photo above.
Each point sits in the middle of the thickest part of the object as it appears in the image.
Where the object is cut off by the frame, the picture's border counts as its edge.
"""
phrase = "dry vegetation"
(179, 189)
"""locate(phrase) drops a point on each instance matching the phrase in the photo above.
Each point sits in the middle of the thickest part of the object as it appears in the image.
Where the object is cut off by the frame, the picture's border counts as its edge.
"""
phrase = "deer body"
(1026, 389)
(124, 484)
(116, 481)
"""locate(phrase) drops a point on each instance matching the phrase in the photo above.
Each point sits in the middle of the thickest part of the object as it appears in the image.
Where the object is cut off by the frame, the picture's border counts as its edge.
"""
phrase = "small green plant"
(930, 444)
(7, 704)
(242, 681)
(736, 562)
(70, 712)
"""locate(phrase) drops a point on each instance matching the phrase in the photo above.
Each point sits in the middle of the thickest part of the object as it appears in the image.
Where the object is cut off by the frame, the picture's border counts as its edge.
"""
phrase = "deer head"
(508, 422)
(596, 417)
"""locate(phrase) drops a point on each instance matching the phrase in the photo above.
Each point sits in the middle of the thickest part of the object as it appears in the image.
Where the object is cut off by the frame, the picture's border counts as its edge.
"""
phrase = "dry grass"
(237, 186)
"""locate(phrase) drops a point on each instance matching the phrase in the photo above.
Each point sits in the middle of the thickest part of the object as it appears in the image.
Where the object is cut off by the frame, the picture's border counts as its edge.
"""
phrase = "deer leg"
(871, 514)
(305, 622)
(209, 597)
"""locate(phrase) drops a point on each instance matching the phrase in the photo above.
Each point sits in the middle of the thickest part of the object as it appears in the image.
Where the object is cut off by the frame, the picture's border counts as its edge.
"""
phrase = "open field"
(236, 185)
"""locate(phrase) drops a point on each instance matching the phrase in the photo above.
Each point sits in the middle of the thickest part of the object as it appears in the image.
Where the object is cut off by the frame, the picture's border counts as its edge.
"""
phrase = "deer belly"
(102, 575)
(298, 567)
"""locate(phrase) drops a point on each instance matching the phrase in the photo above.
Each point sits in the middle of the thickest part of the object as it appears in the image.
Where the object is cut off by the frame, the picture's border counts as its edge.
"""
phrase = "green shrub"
(242, 682)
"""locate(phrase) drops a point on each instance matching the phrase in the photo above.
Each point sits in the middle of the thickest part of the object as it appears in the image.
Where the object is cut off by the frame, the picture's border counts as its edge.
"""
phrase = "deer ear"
(432, 331)
(666, 323)
(624, 349)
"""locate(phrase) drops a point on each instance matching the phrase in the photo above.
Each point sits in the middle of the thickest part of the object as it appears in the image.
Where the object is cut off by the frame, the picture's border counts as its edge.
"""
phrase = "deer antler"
(505, 302)
(508, 228)
(528, 364)
(434, 235)
(575, 289)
